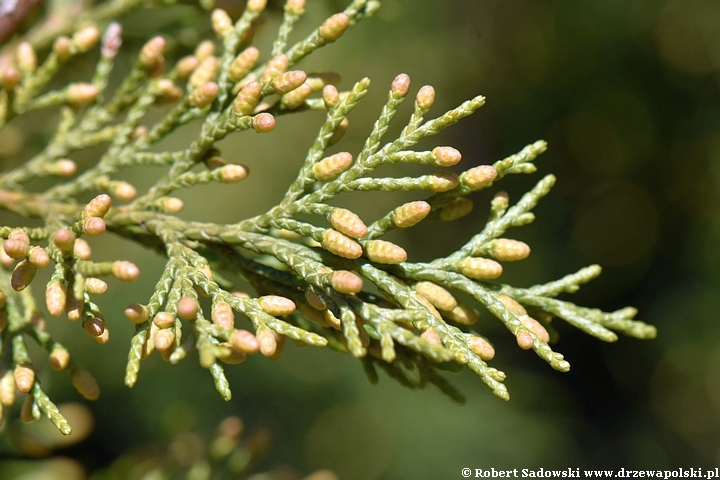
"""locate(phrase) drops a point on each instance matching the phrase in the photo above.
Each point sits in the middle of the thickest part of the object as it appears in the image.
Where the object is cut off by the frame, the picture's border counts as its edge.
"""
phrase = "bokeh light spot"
(688, 36)
(614, 136)
(617, 226)
(350, 441)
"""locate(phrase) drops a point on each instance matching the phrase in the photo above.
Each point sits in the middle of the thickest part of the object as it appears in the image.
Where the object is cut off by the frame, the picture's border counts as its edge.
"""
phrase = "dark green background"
(626, 92)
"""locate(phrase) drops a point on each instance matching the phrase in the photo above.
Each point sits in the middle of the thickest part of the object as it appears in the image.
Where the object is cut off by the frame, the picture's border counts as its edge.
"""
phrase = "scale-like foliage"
(310, 278)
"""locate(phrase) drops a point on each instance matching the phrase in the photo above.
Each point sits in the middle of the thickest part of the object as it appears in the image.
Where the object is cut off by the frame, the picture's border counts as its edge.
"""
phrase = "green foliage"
(319, 274)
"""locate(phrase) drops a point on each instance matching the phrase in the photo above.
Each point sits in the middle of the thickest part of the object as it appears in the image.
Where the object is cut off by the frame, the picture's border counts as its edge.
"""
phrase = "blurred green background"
(627, 94)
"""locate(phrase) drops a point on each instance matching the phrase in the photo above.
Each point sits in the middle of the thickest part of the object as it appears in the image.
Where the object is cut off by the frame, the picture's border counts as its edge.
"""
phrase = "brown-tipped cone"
(512, 305)
(288, 81)
(437, 295)
(332, 166)
(482, 348)
(340, 245)
(221, 22)
(400, 86)
(187, 308)
(344, 281)
(245, 340)
(222, 315)
(442, 181)
(85, 384)
(425, 97)
(86, 38)
(524, 340)
(204, 94)
(94, 226)
(410, 213)
(481, 268)
(59, 358)
(204, 73)
(125, 271)
(22, 275)
(507, 250)
(348, 223)
(479, 177)
(136, 313)
(276, 66)
(382, 251)
(263, 123)
(330, 95)
(334, 27)
(24, 378)
(247, 99)
(164, 320)
(446, 156)
(152, 51)
(17, 245)
(243, 63)
(276, 305)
